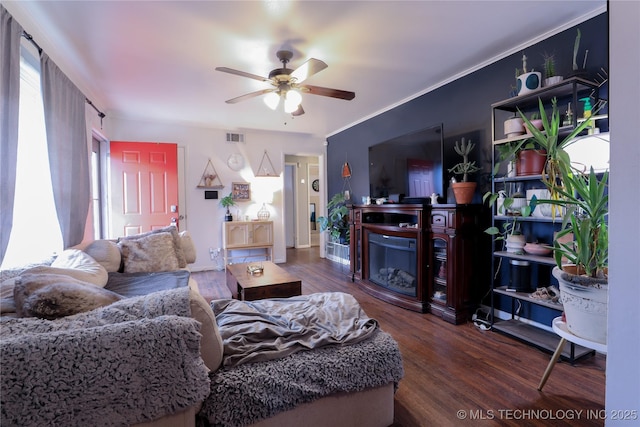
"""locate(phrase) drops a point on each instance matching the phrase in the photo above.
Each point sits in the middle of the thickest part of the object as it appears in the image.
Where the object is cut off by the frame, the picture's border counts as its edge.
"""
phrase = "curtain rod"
(37, 46)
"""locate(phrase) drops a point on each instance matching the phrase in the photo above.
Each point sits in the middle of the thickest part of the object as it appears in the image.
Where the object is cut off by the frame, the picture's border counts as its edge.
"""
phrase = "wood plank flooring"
(458, 375)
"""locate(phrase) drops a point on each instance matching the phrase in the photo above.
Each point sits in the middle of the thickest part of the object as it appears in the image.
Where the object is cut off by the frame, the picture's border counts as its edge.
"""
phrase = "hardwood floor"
(458, 375)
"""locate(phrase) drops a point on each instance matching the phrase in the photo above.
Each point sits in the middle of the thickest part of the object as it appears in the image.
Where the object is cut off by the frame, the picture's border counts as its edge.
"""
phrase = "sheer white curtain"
(10, 34)
(64, 113)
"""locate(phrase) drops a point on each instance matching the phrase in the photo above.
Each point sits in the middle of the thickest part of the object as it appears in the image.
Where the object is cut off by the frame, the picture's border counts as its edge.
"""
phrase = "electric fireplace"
(393, 263)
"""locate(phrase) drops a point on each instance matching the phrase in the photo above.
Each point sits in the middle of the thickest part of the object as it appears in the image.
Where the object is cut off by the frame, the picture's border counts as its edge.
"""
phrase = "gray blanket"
(272, 333)
(133, 361)
(269, 329)
(251, 392)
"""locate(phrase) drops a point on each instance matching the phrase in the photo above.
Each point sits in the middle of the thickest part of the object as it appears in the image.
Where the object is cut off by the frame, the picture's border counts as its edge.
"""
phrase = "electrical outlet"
(212, 254)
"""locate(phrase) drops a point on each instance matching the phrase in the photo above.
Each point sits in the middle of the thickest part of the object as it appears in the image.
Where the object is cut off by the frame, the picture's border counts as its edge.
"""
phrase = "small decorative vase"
(263, 213)
(513, 127)
(515, 243)
(228, 217)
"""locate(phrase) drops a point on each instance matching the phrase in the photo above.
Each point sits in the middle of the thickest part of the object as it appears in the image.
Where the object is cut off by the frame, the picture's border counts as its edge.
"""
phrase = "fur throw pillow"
(175, 236)
(51, 296)
(152, 253)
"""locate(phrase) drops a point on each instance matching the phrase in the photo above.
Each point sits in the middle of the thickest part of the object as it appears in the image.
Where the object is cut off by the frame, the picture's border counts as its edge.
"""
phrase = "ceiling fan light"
(294, 97)
(272, 100)
(292, 100)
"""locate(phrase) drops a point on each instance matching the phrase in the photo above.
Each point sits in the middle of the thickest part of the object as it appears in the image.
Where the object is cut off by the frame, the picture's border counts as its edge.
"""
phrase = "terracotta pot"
(531, 162)
(463, 191)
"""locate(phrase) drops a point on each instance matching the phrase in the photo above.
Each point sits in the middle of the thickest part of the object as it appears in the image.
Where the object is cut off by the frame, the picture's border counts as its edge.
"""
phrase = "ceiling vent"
(235, 137)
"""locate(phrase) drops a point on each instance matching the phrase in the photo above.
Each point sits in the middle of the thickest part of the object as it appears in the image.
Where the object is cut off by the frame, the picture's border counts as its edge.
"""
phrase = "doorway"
(289, 205)
(302, 202)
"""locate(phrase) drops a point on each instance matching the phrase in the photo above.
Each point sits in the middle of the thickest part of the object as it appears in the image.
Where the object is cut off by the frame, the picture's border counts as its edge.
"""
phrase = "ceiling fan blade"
(299, 111)
(242, 74)
(248, 96)
(325, 91)
(308, 69)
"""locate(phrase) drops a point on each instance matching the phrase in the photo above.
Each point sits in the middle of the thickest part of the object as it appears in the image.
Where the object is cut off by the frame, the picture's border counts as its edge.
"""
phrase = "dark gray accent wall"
(462, 106)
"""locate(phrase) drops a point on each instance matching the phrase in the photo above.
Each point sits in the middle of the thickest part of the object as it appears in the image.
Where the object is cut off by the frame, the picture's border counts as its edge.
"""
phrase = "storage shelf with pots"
(518, 275)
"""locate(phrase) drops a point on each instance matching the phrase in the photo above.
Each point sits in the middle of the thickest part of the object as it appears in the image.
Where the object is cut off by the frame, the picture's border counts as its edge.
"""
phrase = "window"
(96, 190)
(36, 232)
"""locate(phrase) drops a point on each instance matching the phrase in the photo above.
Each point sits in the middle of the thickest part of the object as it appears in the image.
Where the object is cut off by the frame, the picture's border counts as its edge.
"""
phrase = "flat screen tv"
(408, 168)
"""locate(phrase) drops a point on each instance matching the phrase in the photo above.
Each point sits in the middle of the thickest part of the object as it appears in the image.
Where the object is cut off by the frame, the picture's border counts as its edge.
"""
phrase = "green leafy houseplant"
(227, 202)
(549, 140)
(337, 220)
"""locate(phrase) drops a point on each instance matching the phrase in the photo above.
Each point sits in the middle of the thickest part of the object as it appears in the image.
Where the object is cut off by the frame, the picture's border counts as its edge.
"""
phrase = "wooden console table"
(247, 235)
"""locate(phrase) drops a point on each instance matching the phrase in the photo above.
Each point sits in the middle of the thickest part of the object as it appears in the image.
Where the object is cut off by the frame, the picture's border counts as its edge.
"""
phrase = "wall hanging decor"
(210, 178)
(241, 191)
(266, 167)
(346, 176)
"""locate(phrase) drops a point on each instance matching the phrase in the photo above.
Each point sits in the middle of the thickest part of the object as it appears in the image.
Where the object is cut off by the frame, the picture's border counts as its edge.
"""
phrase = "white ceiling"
(155, 60)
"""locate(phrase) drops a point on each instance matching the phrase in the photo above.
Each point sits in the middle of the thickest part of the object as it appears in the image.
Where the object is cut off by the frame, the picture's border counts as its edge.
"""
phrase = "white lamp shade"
(272, 100)
(292, 101)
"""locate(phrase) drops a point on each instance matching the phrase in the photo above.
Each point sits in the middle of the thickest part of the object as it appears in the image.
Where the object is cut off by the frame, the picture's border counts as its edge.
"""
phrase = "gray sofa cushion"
(135, 284)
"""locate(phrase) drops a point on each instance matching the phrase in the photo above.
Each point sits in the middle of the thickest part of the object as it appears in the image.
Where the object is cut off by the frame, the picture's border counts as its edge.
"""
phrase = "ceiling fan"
(287, 84)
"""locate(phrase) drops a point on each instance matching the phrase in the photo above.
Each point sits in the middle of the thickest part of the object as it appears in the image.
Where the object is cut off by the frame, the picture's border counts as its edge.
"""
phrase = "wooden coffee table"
(274, 282)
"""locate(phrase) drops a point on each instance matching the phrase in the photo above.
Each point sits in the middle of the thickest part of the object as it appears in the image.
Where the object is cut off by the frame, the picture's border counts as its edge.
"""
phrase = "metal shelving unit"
(568, 91)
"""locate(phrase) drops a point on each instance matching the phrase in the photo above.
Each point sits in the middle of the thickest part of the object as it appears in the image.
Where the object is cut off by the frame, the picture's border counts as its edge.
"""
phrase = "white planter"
(528, 82)
(585, 308)
(550, 81)
(337, 252)
(513, 127)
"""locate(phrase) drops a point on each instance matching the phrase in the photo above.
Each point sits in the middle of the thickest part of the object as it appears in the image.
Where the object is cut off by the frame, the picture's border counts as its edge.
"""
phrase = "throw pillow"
(189, 249)
(154, 252)
(77, 264)
(177, 247)
(51, 296)
(106, 253)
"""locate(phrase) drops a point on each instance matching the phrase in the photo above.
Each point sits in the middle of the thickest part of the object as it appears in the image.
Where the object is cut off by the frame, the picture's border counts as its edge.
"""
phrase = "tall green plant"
(586, 201)
(465, 167)
(337, 220)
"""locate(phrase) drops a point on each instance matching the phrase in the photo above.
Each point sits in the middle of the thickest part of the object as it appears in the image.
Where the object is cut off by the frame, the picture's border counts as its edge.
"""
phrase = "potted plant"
(528, 80)
(548, 139)
(227, 202)
(463, 191)
(337, 220)
(549, 66)
(583, 282)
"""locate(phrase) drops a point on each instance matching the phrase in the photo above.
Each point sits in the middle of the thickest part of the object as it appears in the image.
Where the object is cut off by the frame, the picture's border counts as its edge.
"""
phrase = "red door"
(420, 175)
(144, 186)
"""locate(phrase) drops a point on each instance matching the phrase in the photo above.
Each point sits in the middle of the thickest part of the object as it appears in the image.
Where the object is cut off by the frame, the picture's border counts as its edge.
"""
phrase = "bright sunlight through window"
(36, 232)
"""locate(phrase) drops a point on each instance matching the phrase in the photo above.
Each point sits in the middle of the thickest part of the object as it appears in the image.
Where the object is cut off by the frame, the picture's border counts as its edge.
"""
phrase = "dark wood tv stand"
(442, 238)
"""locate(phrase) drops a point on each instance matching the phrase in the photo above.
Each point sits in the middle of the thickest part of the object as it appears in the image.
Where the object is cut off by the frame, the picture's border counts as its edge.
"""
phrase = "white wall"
(623, 341)
(204, 217)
